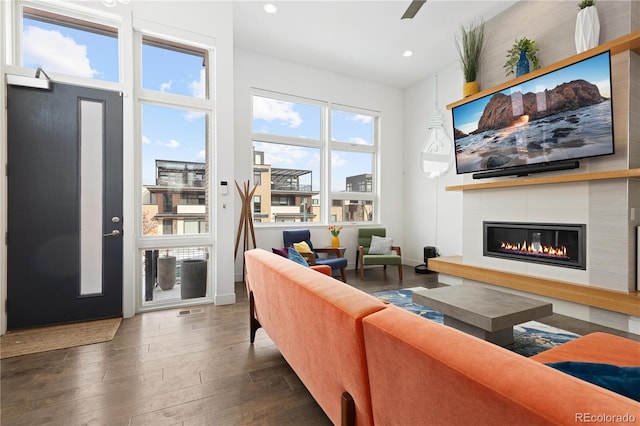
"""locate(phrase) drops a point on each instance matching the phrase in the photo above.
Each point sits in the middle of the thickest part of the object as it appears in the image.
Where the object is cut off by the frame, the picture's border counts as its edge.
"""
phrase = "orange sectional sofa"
(366, 362)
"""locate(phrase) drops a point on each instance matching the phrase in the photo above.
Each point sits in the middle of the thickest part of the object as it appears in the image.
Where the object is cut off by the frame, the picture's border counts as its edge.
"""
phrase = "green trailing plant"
(586, 3)
(513, 55)
(469, 44)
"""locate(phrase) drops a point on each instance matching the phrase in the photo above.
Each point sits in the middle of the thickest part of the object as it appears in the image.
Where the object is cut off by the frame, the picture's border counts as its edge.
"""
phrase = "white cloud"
(273, 109)
(282, 155)
(166, 86)
(172, 144)
(202, 155)
(56, 53)
(364, 119)
(192, 116)
(145, 140)
(337, 160)
(199, 87)
(358, 141)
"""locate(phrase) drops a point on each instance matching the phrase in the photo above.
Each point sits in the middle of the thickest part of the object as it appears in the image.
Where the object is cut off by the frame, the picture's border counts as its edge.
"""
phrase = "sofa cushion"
(294, 255)
(622, 380)
(380, 245)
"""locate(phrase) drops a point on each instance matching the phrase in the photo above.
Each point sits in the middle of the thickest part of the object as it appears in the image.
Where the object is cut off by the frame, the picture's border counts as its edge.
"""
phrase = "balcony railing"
(291, 188)
(176, 183)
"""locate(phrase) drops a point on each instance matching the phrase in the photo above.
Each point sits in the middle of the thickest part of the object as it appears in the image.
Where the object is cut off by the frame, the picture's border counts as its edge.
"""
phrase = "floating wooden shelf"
(625, 303)
(628, 42)
(580, 177)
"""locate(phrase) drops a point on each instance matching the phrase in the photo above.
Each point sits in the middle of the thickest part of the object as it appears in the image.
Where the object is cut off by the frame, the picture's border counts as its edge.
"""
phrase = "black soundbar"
(527, 170)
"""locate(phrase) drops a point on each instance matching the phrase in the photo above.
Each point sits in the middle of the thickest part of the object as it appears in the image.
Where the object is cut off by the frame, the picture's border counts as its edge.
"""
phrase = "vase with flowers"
(335, 235)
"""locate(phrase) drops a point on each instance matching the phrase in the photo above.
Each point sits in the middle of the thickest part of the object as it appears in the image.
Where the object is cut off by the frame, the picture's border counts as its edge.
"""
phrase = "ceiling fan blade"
(413, 8)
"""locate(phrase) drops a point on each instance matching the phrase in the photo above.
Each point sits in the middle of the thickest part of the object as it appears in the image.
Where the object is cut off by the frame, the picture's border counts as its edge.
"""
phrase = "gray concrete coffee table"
(482, 312)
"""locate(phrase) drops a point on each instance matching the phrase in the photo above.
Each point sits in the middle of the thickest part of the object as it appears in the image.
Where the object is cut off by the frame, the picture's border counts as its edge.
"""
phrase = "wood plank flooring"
(165, 369)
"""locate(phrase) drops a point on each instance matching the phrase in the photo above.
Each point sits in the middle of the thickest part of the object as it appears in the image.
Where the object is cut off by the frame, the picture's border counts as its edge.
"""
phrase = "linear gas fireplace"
(548, 243)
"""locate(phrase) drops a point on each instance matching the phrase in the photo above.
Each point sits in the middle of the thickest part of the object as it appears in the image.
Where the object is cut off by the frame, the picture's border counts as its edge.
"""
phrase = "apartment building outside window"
(297, 144)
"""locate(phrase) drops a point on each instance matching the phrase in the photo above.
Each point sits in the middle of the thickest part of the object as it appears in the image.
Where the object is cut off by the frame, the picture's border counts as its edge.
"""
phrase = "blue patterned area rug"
(530, 338)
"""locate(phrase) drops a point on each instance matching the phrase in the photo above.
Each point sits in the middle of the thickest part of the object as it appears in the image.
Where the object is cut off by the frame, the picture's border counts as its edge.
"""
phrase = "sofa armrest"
(596, 347)
(323, 269)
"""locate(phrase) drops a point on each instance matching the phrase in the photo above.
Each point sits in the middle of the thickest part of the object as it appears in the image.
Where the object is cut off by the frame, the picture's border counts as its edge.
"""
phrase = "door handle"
(114, 233)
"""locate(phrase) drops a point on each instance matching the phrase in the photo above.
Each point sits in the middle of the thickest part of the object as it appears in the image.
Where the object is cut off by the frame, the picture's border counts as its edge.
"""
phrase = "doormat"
(529, 338)
(50, 338)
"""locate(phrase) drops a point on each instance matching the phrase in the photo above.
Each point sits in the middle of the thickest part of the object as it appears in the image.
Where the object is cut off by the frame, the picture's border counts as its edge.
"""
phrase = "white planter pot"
(587, 29)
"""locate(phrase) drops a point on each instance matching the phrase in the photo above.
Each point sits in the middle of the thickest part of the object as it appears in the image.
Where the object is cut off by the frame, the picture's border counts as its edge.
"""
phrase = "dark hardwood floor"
(166, 369)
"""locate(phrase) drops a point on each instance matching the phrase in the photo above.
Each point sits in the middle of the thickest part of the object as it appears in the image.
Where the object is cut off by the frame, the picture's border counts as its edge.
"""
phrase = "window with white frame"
(173, 99)
(298, 145)
(175, 137)
(68, 45)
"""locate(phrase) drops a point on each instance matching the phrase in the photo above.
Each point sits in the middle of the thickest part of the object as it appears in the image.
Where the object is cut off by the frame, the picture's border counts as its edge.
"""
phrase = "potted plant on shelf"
(587, 26)
(469, 44)
(518, 57)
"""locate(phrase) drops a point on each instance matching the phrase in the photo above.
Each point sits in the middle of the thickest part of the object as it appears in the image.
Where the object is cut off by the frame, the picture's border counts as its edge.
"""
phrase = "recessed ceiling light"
(407, 53)
(270, 8)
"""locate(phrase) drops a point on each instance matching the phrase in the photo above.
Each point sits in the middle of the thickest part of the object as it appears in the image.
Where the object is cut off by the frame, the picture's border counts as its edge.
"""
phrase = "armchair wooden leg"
(343, 271)
(361, 271)
(400, 271)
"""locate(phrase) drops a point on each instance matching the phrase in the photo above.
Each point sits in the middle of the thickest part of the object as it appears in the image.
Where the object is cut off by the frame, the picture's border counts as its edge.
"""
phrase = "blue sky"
(595, 70)
(173, 134)
(167, 133)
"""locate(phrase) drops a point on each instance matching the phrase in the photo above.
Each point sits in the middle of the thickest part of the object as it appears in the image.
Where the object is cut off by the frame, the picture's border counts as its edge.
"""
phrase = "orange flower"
(335, 230)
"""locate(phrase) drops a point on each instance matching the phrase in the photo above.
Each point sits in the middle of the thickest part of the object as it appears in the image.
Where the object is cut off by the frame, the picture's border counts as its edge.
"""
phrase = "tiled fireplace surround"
(610, 209)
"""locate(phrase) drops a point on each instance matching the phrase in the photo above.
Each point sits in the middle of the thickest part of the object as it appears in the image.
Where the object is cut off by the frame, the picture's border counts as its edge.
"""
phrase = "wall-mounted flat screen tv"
(538, 125)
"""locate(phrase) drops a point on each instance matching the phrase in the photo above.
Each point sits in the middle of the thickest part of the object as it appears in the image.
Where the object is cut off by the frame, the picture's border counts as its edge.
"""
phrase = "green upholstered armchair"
(393, 257)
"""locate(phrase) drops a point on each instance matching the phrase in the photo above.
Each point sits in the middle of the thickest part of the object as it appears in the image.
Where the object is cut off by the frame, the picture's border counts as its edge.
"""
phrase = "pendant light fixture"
(436, 154)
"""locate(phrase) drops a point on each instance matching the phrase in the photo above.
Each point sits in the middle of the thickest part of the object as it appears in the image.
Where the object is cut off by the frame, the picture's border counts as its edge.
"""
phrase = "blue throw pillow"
(622, 380)
(297, 257)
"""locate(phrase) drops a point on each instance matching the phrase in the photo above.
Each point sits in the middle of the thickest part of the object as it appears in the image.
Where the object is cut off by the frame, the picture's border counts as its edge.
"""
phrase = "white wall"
(257, 71)
(433, 216)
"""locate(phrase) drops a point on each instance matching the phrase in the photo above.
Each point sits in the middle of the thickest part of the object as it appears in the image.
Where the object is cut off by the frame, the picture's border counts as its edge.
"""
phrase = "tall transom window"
(67, 45)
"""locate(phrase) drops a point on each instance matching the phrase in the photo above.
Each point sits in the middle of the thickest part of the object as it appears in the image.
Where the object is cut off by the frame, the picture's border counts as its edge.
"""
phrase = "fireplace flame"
(538, 249)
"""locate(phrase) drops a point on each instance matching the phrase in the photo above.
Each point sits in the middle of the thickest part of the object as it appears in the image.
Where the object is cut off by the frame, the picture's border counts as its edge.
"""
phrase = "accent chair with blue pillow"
(339, 262)
(284, 252)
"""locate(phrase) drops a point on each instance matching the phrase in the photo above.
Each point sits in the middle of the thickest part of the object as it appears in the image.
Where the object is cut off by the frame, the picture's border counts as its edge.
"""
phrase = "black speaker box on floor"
(429, 252)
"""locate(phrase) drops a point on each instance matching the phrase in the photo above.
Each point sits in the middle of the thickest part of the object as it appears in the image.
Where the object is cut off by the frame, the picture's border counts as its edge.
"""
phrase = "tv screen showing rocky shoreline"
(565, 114)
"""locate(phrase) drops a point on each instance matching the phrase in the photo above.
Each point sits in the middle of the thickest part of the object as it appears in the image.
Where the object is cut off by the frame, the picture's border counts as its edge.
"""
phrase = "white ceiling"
(360, 38)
